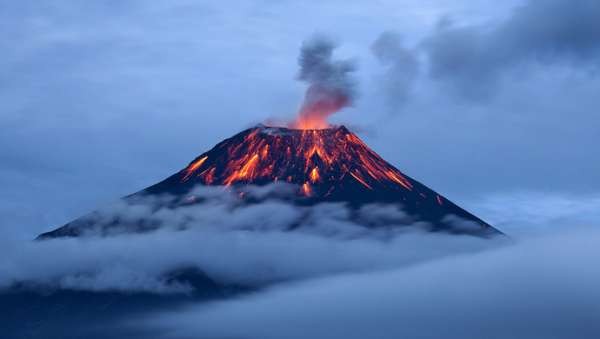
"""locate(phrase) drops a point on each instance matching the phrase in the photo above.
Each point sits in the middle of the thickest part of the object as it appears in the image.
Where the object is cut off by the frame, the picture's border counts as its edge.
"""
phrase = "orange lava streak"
(378, 171)
(361, 180)
(194, 166)
(306, 190)
(318, 151)
(265, 152)
(399, 179)
(209, 176)
(352, 138)
(316, 160)
(314, 175)
(245, 172)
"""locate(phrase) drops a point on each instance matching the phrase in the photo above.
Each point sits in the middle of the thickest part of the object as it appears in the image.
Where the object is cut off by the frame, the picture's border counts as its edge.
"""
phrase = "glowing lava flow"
(247, 171)
(317, 160)
(320, 103)
(314, 175)
(310, 123)
(193, 167)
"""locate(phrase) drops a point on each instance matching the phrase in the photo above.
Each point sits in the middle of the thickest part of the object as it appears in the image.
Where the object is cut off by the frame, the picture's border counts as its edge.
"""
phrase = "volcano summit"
(329, 165)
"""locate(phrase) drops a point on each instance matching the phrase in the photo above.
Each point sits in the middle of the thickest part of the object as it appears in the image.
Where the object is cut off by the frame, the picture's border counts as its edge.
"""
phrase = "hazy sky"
(493, 104)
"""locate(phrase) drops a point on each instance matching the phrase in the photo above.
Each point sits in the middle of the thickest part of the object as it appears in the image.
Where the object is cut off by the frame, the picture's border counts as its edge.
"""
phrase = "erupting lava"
(308, 122)
(318, 160)
(318, 105)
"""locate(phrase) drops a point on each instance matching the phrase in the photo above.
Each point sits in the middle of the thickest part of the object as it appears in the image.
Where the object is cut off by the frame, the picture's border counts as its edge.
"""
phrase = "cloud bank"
(540, 288)
(252, 245)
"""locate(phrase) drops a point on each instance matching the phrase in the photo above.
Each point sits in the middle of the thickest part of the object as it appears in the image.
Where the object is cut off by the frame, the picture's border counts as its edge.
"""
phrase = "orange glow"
(247, 171)
(314, 175)
(319, 103)
(311, 122)
(193, 167)
(439, 200)
(265, 152)
(316, 160)
(399, 179)
(306, 190)
(209, 176)
(361, 180)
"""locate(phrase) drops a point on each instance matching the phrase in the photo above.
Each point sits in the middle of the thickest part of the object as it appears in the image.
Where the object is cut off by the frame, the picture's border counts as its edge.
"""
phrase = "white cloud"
(540, 288)
(526, 213)
(248, 245)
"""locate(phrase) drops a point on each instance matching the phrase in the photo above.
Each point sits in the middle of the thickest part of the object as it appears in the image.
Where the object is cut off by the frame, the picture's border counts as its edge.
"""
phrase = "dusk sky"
(494, 104)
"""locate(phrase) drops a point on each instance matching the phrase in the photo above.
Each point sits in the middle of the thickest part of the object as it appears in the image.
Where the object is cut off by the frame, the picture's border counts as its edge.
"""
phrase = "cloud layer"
(539, 288)
(249, 245)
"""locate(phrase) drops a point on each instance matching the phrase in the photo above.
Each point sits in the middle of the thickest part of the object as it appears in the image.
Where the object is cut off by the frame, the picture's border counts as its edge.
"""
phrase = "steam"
(330, 83)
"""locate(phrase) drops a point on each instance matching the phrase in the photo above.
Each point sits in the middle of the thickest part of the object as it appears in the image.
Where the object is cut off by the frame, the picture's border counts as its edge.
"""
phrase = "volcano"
(330, 165)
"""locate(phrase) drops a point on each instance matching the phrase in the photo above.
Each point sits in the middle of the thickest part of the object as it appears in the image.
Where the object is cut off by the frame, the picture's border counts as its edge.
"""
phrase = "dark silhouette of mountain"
(325, 165)
(34, 311)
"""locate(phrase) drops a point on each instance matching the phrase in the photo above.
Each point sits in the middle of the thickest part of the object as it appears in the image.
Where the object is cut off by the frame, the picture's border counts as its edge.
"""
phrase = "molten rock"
(324, 165)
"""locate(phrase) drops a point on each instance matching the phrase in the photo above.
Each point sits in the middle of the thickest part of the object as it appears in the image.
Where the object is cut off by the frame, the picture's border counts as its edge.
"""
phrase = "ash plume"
(330, 83)
(401, 64)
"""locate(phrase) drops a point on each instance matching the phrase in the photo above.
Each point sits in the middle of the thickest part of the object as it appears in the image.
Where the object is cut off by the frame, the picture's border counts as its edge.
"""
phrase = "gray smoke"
(331, 86)
(401, 67)
(540, 288)
(474, 58)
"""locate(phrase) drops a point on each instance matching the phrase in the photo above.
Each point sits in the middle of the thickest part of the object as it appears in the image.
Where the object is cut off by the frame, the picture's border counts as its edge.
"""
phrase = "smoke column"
(330, 83)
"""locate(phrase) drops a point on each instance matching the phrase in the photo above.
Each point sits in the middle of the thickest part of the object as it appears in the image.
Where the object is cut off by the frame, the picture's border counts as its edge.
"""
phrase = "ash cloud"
(331, 85)
(474, 58)
(539, 288)
(401, 67)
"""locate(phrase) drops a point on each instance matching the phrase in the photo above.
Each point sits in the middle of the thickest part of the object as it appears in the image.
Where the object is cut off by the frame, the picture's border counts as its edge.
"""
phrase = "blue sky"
(497, 109)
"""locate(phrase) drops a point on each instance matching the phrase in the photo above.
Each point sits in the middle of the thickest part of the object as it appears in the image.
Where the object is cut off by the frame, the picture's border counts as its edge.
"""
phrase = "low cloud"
(539, 288)
(523, 214)
(254, 245)
(262, 209)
